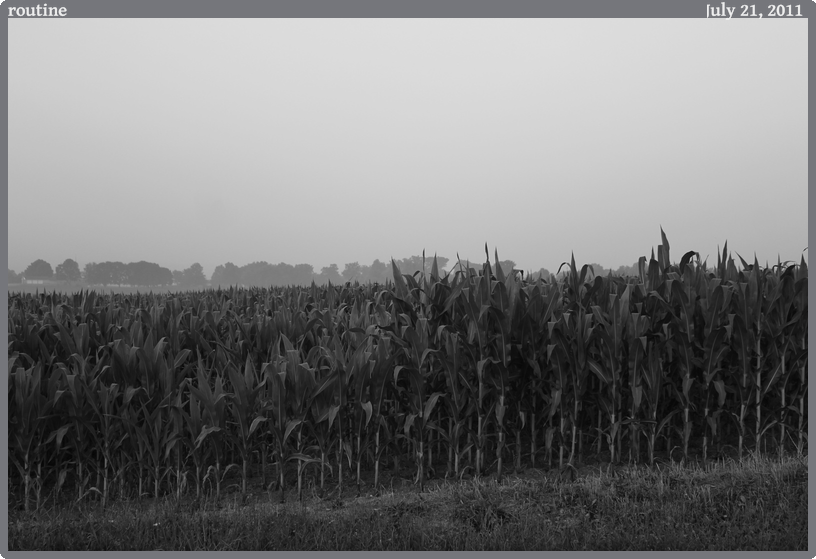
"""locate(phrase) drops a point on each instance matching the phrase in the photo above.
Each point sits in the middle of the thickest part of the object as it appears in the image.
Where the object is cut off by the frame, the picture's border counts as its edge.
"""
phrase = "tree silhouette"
(136, 273)
(627, 270)
(507, 266)
(226, 275)
(378, 272)
(147, 274)
(39, 269)
(257, 273)
(68, 271)
(105, 273)
(194, 276)
(542, 273)
(304, 273)
(330, 273)
(99, 273)
(414, 264)
(118, 272)
(353, 272)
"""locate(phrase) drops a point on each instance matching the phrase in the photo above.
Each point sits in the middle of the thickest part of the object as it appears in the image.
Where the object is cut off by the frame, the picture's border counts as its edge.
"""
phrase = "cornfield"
(115, 396)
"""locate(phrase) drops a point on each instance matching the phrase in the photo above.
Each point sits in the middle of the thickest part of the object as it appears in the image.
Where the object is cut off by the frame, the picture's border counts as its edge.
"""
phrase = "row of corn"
(476, 371)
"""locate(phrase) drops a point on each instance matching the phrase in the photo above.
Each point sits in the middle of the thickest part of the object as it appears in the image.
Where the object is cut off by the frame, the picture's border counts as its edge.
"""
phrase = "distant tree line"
(135, 273)
(599, 270)
(596, 270)
(68, 271)
(507, 266)
(191, 277)
(264, 274)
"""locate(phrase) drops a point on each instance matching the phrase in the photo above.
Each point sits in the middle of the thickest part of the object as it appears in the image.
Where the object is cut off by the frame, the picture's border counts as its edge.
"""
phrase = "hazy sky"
(333, 141)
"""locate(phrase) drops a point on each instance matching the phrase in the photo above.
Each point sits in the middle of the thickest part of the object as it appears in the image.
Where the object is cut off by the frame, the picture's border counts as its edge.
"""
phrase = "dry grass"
(758, 504)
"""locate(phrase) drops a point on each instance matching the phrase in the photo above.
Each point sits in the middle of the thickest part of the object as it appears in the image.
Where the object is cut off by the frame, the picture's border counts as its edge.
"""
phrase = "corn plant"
(420, 406)
(214, 400)
(456, 398)
(608, 363)
(31, 410)
(373, 388)
(245, 406)
(194, 435)
(290, 387)
(323, 414)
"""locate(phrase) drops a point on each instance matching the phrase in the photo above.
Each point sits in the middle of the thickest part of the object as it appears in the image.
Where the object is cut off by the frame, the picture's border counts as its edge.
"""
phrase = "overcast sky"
(334, 141)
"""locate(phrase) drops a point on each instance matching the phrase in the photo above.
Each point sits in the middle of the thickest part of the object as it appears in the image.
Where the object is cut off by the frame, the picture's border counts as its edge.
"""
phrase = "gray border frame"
(361, 8)
(380, 8)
